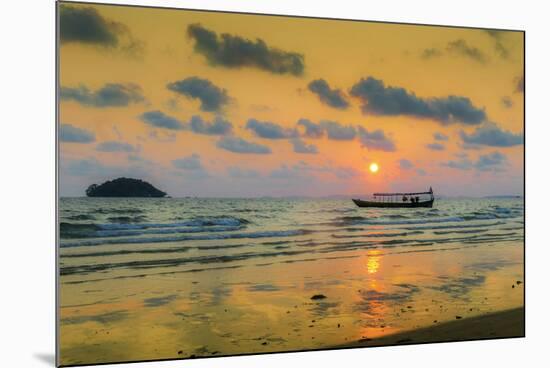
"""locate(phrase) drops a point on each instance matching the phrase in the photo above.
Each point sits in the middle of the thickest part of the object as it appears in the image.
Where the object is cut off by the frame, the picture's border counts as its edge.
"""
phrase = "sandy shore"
(509, 323)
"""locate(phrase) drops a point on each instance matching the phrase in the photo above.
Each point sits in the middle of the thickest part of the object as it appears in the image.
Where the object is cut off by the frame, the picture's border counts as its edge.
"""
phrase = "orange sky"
(419, 67)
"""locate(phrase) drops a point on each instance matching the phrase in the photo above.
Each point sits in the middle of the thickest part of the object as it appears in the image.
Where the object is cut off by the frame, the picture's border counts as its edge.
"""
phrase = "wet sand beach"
(169, 279)
(505, 324)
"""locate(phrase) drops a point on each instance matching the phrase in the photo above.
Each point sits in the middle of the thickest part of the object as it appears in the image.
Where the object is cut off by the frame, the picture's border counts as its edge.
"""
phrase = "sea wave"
(361, 220)
(169, 234)
(250, 235)
(88, 230)
(306, 248)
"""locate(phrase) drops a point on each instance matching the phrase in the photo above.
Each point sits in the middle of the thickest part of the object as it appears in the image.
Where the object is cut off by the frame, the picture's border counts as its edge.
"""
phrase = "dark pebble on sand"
(180, 352)
(409, 306)
(518, 282)
(338, 325)
(318, 297)
(513, 286)
(264, 343)
(435, 321)
(458, 317)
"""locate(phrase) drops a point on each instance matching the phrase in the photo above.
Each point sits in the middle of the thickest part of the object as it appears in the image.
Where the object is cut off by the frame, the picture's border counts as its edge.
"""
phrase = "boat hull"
(361, 203)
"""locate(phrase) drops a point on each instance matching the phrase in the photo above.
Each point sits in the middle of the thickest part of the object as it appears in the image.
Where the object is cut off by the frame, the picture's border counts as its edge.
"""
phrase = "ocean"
(146, 279)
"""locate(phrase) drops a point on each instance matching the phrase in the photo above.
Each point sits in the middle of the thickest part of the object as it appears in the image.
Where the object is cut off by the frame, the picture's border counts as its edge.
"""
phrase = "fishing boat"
(398, 200)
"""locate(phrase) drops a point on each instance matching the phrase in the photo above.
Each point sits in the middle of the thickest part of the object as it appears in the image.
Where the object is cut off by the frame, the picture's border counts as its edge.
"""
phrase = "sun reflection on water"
(373, 261)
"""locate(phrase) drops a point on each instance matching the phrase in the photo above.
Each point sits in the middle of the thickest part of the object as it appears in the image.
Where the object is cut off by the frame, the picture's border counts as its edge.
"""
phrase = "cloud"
(85, 25)
(192, 162)
(89, 166)
(115, 146)
(110, 95)
(269, 130)
(285, 172)
(460, 47)
(340, 172)
(431, 53)
(232, 51)
(344, 172)
(137, 158)
(239, 145)
(72, 134)
(331, 97)
(262, 108)
(378, 99)
(217, 127)
(435, 146)
(405, 164)
(491, 135)
(497, 36)
(312, 130)
(85, 171)
(520, 84)
(301, 147)
(212, 97)
(440, 137)
(162, 136)
(337, 131)
(159, 119)
(491, 162)
(494, 161)
(375, 140)
(304, 172)
(237, 172)
(462, 164)
(506, 102)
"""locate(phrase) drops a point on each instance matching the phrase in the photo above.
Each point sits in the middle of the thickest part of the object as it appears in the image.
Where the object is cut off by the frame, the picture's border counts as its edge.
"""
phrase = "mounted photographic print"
(233, 183)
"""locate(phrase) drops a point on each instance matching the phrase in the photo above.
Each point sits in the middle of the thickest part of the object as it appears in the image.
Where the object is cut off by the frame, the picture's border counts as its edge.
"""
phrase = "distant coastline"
(438, 197)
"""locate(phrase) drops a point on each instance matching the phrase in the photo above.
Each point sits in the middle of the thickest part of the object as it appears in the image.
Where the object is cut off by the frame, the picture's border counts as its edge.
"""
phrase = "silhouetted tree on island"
(124, 187)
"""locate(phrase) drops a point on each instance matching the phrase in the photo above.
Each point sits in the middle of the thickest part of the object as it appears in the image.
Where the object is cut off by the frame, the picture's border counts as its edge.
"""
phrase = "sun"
(373, 168)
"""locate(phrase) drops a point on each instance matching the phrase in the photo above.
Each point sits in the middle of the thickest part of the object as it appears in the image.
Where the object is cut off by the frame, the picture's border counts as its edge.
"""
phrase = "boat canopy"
(398, 194)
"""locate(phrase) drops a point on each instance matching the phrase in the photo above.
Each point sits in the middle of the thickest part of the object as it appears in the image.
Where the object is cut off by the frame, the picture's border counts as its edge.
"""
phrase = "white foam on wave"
(215, 221)
(257, 234)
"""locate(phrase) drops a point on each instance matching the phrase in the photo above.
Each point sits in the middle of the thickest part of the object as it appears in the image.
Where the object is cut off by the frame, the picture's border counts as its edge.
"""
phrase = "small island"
(124, 187)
